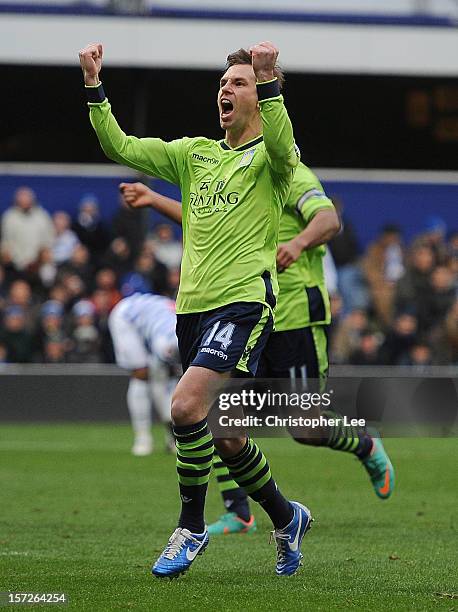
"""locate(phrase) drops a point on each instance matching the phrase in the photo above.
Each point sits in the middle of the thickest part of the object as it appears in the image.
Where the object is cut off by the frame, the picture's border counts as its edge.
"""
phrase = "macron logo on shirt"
(206, 160)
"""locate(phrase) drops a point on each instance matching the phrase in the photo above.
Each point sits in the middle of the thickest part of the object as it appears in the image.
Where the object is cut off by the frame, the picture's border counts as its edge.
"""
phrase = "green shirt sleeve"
(153, 156)
(282, 153)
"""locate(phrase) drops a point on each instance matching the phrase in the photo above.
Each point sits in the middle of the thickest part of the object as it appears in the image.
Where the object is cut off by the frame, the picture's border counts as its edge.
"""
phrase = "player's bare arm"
(321, 229)
(138, 195)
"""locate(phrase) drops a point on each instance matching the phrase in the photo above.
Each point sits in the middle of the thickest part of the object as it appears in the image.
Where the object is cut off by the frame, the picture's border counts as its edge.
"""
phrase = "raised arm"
(138, 195)
(277, 129)
(151, 156)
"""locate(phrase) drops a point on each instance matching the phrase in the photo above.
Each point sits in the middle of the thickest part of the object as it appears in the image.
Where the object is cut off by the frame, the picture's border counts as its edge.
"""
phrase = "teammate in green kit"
(233, 192)
(298, 346)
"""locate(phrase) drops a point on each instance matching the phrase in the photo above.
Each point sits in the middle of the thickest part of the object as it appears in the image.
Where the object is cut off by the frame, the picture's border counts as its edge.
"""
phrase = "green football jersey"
(303, 298)
(232, 202)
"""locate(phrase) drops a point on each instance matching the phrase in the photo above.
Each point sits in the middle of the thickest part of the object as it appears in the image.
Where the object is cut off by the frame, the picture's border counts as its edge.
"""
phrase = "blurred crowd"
(60, 277)
(395, 304)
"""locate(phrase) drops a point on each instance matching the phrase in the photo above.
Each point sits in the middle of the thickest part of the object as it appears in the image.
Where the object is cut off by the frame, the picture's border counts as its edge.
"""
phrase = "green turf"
(79, 514)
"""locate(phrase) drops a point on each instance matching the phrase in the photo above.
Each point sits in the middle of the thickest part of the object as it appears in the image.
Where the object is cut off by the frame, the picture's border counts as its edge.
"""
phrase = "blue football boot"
(289, 540)
(181, 550)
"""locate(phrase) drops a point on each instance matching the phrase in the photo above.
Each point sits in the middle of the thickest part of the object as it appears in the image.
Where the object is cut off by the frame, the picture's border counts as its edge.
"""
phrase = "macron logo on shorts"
(215, 352)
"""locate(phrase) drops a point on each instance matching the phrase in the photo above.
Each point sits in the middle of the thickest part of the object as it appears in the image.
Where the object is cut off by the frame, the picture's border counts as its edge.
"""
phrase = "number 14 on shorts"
(223, 335)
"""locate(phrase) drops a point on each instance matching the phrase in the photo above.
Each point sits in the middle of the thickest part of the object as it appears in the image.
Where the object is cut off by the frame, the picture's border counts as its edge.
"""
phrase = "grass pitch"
(80, 515)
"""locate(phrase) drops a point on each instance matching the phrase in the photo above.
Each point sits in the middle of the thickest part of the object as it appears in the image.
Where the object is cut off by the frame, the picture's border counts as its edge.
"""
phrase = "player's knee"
(185, 409)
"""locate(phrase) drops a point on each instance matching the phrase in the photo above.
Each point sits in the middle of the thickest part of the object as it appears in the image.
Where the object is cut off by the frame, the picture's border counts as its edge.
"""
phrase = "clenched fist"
(263, 59)
(287, 254)
(91, 63)
(136, 195)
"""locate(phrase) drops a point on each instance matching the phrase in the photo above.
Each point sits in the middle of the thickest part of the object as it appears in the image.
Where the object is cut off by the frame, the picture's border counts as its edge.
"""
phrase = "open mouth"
(226, 107)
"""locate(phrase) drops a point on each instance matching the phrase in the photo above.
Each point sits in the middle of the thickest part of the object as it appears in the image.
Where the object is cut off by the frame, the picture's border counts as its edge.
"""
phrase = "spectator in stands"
(167, 250)
(453, 259)
(383, 266)
(347, 336)
(74, 288)
(153, 272)
(440, 299)
(345, 252)
(3, 353)
(15, 336)
(414, 286)
(447, 340)
(26, 230)
(85, 336)
(80, 264)
(173, 282)
(103, 303)
(118, 257)
(453, 246)
(106, 281)
(65, 239)
(104, 298)
(433, 236)
(47, 271)
(336, 304)
(419, 355)
(90, 229)
(367, 354)
(55, 351)
(3, 290)
(132, 225)
(400, 338)
(51, 328)
(59, 293)
(20, 294)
